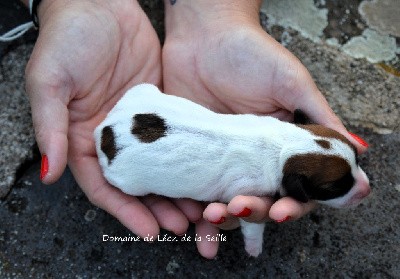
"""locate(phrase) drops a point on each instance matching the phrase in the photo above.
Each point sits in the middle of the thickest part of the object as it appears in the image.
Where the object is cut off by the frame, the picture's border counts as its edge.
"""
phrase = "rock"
(382, 15)
(301, 15)
(372, 46)
(362, 94)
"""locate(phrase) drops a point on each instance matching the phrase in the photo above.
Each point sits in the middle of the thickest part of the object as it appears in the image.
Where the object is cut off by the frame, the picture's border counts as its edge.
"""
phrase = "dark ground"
(54, 232)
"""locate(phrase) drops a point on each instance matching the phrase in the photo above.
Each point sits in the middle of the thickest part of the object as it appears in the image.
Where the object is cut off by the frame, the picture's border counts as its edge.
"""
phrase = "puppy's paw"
(253, 235)
(253, 247)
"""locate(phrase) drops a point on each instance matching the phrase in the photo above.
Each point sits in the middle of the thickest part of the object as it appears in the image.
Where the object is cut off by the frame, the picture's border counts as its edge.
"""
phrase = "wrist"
(187, 16)
(121, 9)
(45, 7)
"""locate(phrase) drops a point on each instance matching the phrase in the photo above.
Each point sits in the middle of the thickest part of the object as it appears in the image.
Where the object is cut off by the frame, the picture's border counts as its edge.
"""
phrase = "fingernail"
(244, 213)
(44, 167)
(360, 140)
(287, 218)
(220, 221)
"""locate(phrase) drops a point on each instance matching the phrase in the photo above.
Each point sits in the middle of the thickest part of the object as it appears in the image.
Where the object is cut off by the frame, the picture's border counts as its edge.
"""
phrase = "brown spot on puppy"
(325, 132)
(148, 127)
(324, 144)
(107, 144)
(325, 168)
(316, 177)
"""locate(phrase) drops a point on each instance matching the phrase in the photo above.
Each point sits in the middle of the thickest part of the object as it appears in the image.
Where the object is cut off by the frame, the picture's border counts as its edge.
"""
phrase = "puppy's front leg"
(253, 234)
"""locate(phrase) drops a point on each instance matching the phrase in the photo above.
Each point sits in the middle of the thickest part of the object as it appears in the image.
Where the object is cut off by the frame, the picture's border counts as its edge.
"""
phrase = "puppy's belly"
(188, 166)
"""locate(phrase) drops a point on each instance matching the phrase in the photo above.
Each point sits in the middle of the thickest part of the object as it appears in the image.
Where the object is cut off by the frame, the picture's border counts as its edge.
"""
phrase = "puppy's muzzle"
(361, 189)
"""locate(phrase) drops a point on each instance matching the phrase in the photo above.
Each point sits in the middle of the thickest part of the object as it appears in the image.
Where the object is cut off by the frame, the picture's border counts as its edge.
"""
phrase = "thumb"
(50, 121)
(312, 102)
(321, 113)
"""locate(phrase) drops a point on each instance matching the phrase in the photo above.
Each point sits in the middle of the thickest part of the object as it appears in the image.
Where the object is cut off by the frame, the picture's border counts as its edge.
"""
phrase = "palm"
(85, 60)
(110, 62)
(130, 58)
(239, 70)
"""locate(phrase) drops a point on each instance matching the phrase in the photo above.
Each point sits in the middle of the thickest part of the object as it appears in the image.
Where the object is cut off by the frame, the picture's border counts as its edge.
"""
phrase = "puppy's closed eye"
(334, 189)
(293, 184)
(302, 188)
(317, 177)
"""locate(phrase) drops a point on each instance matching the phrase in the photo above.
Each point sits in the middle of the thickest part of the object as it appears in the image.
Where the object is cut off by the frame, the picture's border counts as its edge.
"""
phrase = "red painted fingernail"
(360, 140)
(287, 218)
(220, 221)
(244, 213)
(44, 167)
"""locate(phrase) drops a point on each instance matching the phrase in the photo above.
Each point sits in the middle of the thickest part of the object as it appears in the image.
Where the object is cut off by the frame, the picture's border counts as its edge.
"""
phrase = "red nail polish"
(44, 167)
(220, 221)
(244, 213)
(360, 140)
(287, 218)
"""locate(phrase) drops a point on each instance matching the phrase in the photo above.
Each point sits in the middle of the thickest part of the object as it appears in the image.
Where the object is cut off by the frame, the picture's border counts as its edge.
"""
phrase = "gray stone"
(301, 15)
(382, 15)
(310, 21)
(372, 46)
(362, 94)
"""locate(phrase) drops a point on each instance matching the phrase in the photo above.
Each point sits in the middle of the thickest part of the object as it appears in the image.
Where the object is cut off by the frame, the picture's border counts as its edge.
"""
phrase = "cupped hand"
(87, 55)
(229, 64)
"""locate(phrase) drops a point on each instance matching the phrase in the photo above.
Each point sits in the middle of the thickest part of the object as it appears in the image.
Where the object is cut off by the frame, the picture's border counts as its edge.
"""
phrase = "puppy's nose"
(364, 190)
(362, 185)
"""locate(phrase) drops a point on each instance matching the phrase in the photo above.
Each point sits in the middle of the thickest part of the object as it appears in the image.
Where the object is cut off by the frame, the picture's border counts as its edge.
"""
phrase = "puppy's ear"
(301, 118)
(293, 184)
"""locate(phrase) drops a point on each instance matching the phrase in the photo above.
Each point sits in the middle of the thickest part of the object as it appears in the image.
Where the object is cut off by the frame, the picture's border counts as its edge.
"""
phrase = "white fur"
(205, 155)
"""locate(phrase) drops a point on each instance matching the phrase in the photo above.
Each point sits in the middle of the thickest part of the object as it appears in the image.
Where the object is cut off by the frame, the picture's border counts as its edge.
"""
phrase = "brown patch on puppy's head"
(148, 127)
(107, 144)
(304, 122)
(323, 143)
(325, 132)
(316, 177)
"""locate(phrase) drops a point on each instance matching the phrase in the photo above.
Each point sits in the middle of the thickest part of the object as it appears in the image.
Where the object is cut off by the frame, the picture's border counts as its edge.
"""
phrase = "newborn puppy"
(151, 142)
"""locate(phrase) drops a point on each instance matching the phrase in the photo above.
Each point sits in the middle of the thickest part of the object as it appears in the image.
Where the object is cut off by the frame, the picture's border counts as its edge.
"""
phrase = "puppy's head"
(324, 167)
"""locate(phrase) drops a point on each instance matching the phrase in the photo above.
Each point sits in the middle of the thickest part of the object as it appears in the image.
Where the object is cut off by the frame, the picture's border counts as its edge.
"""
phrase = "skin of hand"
(217, 55)
(88, 53)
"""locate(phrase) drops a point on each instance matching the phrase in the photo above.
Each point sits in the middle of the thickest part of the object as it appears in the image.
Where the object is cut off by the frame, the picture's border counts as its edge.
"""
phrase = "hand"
(87, 55)
(220, 57)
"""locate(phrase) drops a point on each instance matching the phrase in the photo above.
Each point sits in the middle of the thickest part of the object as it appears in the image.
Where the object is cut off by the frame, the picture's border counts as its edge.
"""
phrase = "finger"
(168, 216)
(50, 121)
(207, 249)
(193, 210)
(286, 209)
(325, 116)
(127, 209)
(217, 214)
(357, 141)
(250, 209)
